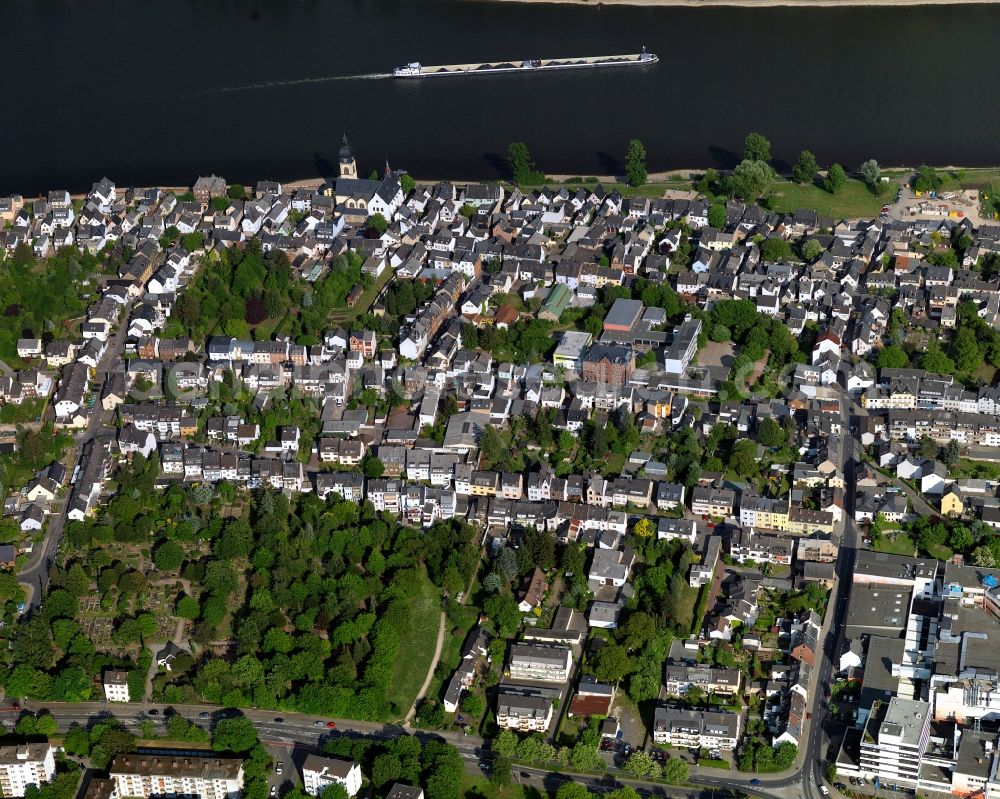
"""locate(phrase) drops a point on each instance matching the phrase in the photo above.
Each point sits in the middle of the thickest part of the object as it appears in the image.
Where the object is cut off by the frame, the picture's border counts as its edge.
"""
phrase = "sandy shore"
(757, 3)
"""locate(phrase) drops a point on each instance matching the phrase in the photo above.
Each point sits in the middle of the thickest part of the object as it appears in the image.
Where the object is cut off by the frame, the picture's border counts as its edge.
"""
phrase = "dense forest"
(291, 603)
(41, 301)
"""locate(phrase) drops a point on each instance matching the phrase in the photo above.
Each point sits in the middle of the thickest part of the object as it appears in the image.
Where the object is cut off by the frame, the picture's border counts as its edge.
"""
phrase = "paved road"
(35, 573)
(296, 732)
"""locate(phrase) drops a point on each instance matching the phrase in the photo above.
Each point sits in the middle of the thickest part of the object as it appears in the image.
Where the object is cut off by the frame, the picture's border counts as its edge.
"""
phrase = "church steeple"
(348, 166)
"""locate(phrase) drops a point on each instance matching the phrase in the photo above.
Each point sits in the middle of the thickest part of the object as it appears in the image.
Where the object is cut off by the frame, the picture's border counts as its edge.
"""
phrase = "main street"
(814, 754)
(299, 733)
(35, 574)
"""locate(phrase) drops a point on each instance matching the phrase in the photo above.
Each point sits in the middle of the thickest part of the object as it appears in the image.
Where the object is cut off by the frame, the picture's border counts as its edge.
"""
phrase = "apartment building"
(182, 774)
(540, 662)
(679, 679)
(694, 728)
(318, 772)
(25, 764)
(524, 713)
(894, 741)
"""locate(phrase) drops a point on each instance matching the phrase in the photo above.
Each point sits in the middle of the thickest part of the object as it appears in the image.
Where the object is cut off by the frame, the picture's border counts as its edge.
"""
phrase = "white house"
(318, 772)
(116, 686)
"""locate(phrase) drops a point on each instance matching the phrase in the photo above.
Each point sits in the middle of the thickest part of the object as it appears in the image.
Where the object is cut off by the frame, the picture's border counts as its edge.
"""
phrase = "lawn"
(976, 469)
(451, 652)
(365, 301)
(474, 787)
(940, 552)
(417, 651)
(854, 200)
(900, 544)
(653, 190)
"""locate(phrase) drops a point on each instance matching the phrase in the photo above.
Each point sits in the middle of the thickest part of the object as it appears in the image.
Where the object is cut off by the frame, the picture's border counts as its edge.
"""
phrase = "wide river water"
(159, 91)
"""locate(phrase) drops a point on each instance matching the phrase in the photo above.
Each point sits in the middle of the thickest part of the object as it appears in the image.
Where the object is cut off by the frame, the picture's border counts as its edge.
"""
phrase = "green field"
(365, 301)
(417, 648)
(854, 200)
(900, 544)
(474, 787)
(451, 652)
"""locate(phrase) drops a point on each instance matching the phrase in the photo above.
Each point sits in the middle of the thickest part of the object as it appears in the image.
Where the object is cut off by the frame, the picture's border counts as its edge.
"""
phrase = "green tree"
(750, 179)
(775, 248)
(872, 173)
(965, 350)
(408, 184)
(950, 456)
(717, 216)
(503, 612)
(934, 360)
(635, 163)
(743, 458)
(378, 224)
(235, 734)
(805, 168)
(811, 250)
(188, 608)
(926, 179)
(771, 434)
(612, 663)
(756, 147)
(521, 166)
(676, 771)
(835, 179)
(77, 581)
(168, 556)
(892, 357)
(641, 764)
(505, 744)
(573, 790)
(785, 755)
(502, 773)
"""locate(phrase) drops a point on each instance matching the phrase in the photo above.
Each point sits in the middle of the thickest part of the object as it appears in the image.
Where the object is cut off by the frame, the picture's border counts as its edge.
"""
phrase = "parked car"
(280, 767)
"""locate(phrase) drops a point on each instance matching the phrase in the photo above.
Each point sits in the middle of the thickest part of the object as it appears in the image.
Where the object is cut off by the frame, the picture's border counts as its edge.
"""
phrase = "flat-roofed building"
(179, 774)
(694, 728)
(894, 741)
(523, 713)
(569, 351)
(679, 679)
(540, 662)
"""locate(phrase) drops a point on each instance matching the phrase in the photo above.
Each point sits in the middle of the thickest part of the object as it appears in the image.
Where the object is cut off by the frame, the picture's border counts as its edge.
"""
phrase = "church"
(361, 198)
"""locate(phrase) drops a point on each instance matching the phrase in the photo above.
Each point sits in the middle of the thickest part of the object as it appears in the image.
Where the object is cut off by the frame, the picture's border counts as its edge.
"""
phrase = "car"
(274, 790)
(824, 790)
(204, 715)
(280, 767)
(153, 712)
(279, 720)
(319, 724)
(331, 725)
(525, 774)
(755, 782)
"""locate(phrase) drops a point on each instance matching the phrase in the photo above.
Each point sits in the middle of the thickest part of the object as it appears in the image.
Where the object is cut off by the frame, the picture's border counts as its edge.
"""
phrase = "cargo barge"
(417, 70)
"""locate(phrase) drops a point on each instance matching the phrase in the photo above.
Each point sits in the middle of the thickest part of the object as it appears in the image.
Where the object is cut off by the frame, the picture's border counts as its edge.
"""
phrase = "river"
(160, 91)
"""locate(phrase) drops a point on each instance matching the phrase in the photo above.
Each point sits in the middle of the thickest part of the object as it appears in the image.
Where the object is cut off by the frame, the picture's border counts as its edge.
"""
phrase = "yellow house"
(951, 503)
